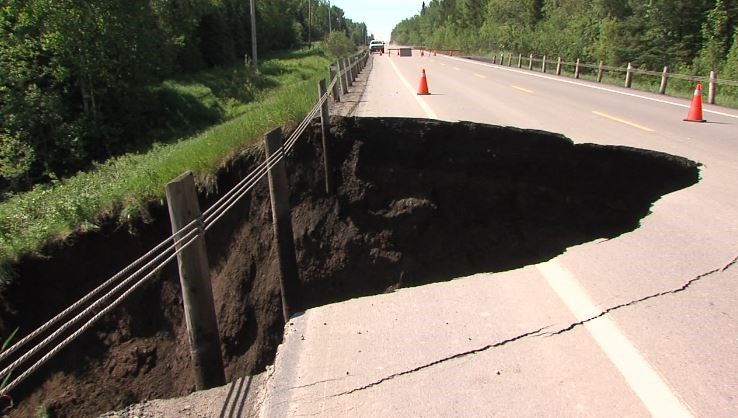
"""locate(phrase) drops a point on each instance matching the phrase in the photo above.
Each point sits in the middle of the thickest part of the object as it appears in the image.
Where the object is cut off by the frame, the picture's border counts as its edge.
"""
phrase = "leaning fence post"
(664, 79)
(520, 60)
(336, 94)
(576, 70)
(347, 73)
(282, 223)
(599, 72)
(558, 67)
(341, 77)
(324, 121)
(543, 64)
(354, 72)
(194, 277)
(629, 76)
(712, 87)
(509, 59)
(530, 62)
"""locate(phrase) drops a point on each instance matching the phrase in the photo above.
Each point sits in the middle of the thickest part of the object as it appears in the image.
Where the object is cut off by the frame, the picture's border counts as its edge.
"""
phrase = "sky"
(380, 16)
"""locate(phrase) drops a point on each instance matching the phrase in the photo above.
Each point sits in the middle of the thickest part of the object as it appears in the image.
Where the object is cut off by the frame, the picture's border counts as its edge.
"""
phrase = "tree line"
(691, 36)
(78, 75)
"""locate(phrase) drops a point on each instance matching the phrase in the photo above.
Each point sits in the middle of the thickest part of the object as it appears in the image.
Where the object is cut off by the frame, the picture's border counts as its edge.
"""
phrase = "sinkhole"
(416, 202)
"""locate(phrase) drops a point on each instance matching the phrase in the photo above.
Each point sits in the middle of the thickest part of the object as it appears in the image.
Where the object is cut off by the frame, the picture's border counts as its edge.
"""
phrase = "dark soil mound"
(417, 202)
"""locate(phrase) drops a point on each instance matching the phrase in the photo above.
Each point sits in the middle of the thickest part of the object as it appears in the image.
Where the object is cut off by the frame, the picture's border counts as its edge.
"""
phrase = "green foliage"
(82, 79)
(691, 34)
(122, 186)
(716, 35)
(339, 45)
(730, 69)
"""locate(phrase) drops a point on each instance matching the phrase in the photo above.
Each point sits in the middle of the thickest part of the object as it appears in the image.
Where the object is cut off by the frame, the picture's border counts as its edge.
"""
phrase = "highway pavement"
(642, 324)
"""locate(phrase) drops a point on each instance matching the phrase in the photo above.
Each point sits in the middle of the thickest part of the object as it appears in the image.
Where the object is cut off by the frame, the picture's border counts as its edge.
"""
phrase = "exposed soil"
(417, 201)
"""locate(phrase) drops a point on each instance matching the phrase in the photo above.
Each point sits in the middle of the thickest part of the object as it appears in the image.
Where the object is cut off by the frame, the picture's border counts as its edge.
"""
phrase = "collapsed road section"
(416, 202)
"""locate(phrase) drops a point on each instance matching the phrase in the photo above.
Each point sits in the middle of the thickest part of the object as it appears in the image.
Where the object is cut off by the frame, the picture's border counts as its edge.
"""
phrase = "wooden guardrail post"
(530, 62)
(599, 72)
(520, 60)
(509, 59)
(324, 121)
(664, 79)
(336, 94)
(352, 65)
(711, 88)
(341, 77)
(346, 67)
(629, 76)
(543, 64)
(197, 292)
(282, 224)
(576, 69)
(558, 67)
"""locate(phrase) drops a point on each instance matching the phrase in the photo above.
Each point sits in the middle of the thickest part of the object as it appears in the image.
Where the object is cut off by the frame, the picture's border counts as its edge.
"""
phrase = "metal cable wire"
(92, 320)
(94, 293)
(99, 302)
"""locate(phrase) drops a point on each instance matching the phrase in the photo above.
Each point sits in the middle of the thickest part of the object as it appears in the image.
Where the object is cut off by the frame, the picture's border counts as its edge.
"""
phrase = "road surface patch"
(521, 89)
(423, 105)
(643, 380)
(621, 120)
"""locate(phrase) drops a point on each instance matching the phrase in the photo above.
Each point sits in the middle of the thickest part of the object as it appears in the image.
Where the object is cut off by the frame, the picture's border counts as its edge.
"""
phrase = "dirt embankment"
(417, 202)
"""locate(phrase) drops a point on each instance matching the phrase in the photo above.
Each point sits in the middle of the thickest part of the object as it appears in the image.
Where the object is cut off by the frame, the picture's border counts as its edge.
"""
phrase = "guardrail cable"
(189, 237)
(84, 327)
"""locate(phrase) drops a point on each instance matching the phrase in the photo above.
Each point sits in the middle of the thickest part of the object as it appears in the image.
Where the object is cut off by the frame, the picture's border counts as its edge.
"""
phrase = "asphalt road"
(642, 324)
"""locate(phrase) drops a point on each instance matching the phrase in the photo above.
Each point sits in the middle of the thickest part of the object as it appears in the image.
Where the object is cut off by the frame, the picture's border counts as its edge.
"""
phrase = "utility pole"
(310, 24)
(253, 38)
(329, 17)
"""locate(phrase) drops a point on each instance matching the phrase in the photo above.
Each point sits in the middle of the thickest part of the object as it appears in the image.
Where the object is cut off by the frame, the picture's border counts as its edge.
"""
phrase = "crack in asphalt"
(443, 360)
(314, 383)
(537, 332)
(680, 289)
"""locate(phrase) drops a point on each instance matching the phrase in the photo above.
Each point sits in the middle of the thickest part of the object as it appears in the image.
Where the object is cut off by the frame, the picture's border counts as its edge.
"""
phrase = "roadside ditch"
(417, 202)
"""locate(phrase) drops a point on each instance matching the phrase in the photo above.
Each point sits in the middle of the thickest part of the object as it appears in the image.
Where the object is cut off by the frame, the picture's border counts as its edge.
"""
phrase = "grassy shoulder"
(249, 106)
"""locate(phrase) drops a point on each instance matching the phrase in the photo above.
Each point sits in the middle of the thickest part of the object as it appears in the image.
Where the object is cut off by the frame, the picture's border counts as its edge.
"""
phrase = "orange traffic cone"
(695, 111)
(423, 88)
(422, 53)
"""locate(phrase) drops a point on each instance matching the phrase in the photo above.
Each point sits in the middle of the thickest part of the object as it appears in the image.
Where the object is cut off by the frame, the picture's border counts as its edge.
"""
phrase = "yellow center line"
(443, 64)
(521, 89)
(617, 119)
(480, 76)
(457, 69)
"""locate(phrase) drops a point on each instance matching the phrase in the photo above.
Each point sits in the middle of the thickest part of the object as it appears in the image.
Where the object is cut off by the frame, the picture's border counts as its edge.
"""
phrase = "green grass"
(122, 187)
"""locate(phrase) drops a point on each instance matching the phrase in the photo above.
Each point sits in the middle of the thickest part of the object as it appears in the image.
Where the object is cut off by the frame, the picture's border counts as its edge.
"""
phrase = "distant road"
(642, 324)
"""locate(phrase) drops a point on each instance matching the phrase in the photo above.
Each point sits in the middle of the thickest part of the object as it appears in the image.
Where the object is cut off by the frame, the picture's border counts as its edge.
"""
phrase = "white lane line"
(428, 111)
(621, 120)
(589, 86)
(521, 89)
(643, 380)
